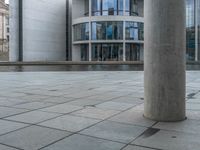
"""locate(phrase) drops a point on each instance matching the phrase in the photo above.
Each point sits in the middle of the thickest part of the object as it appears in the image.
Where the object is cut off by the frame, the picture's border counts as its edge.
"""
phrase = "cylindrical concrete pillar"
(164, 59)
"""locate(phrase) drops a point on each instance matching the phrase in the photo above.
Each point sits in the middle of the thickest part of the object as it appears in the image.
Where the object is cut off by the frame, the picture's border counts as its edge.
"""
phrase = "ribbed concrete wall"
(44, 30)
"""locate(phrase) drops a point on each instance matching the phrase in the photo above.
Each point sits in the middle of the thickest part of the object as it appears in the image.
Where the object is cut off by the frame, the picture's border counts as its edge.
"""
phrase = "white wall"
(79, 10)
(44, 30)
(76, 53)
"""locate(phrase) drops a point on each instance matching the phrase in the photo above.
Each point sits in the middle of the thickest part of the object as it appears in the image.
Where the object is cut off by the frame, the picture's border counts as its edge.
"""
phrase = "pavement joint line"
(60, 115)
(28, 111)
(145, 147)
(78, 132)
(56, 141)
(16, 130)
(101, 138)
(11, 146)
(139, 135)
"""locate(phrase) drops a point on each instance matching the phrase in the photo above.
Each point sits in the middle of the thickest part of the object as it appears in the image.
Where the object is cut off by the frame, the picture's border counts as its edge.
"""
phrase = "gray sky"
(7, 1)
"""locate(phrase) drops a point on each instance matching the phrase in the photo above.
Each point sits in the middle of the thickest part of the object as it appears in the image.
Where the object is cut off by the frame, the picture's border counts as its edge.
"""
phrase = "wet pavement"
(89, 111)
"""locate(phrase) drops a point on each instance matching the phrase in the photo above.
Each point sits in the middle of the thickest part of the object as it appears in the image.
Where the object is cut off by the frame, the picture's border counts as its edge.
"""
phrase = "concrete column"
(164, 58)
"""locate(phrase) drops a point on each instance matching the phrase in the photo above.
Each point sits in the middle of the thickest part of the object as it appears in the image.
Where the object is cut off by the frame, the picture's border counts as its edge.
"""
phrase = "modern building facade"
(87, 30)
(38, 30)
(107, 30)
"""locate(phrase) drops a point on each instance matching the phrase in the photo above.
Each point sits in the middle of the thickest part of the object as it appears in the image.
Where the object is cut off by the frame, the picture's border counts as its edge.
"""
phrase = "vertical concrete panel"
(76, 53)
(14, 30)
(44, 30)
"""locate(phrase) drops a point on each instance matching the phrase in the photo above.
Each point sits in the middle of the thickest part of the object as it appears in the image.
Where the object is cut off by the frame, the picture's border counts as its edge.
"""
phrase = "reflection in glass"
(190, 31)
(81, 32)
(96, 7)
(107, 30)
(131, 8)
(133, 52)
(107, 7)
(84, 52)
(134, 31)
(107, 52)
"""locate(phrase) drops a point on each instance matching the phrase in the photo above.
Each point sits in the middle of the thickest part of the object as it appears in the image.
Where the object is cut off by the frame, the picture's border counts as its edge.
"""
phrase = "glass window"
(84, 52)
(96, 7)
(81, 32)
(120, 7)
(131, 7)
(133, 52)
(107, 52)
(190, 31)
(134, 31)
(107, 7)
(107, 30)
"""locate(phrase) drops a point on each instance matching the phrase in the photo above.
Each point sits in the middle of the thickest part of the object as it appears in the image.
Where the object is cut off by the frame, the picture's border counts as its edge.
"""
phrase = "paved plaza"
(89, 111)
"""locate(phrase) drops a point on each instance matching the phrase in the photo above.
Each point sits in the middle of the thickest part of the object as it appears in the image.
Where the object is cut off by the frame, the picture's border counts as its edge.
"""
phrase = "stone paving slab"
(80, 142)
(170, 140)
(62, 108)
(3, 147)
(130, 147)
(33, 105)
(187, 126)
(33, 117)
(70, 123)
(115, 106)
(32, 138)
(89, 111)
(96, 113)
(193, 106)
(195, 115)
(134, 117)
(115, 131)
(8, 126)
(7, 111)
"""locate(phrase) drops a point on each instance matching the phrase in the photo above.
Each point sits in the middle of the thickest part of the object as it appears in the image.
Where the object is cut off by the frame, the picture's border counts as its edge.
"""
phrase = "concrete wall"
(76, 53)
(14, 31)
(44, 30)
(80, 8)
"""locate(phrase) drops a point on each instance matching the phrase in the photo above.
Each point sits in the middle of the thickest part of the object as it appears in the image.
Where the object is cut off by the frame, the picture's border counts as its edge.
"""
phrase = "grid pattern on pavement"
(89, 111)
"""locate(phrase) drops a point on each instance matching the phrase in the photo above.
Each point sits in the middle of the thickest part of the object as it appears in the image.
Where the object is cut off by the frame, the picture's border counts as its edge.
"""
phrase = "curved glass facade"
(81, 32)
(133, 52)
(107, 30)
(131, 8)
(107, 52)
(107, 7)
(134, 31)
(115, 7)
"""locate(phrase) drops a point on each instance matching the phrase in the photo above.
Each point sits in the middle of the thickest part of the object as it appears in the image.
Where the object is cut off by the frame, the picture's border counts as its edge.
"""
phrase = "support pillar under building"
(164, 59)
